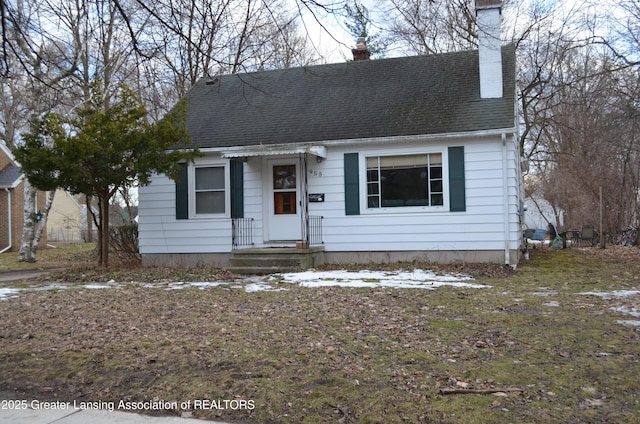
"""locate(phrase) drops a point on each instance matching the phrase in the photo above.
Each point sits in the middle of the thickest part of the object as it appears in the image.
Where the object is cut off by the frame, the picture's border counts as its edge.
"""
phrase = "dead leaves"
(320, 355)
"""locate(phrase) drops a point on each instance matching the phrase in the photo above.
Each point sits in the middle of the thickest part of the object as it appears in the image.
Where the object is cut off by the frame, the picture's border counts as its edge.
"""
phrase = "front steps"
(272, 260)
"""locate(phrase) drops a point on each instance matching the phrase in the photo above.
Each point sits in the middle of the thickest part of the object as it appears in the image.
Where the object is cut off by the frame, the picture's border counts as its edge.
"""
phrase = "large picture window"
(404, 181)
(210, 190)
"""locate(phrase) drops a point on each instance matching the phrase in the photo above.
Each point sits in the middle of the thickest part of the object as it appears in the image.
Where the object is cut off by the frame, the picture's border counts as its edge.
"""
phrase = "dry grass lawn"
(532, 348)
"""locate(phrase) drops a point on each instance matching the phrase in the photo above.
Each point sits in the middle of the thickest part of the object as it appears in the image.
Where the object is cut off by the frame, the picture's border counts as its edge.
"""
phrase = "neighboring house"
(68, 223)
(67, 218)
(370, 161)
(540, 213)
(12, 201)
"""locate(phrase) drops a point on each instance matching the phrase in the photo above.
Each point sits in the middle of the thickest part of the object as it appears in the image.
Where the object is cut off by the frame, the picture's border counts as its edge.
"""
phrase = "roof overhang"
(13, 181)
(319, 148)
(274, 150)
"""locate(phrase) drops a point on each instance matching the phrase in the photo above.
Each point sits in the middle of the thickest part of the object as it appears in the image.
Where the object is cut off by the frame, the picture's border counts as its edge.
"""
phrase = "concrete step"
(259, 270)
(261, 261)
(271, 261)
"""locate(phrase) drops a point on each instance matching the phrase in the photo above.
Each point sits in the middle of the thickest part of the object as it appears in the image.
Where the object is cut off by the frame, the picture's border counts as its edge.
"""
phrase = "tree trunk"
(27, 253)
(32, 229)
(43, 221)
(104, 231)
(91, 219)
(97, 221)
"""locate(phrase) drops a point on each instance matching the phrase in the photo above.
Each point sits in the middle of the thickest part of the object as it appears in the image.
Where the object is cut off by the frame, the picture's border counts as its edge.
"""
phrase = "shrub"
(123, 240)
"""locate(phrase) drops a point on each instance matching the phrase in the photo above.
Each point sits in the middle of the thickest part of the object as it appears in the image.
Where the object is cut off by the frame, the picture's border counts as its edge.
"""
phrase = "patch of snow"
(417, 278)
(615, 293)
(552, 304)
(634, 312)
(8, 293)
(377, 279)
(49, 287)
(204, 284)
(175, 286)
(249, 285)
(99, 286)
(629, 323)
(545, 293)
(256, 287)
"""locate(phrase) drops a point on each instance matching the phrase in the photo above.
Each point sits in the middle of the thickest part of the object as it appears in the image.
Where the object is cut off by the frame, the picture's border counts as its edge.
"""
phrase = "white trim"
(364, 210)
(9, 206)
(6, 151)
(296, 148)
(192, 191)
(505, 194)
(267, 198)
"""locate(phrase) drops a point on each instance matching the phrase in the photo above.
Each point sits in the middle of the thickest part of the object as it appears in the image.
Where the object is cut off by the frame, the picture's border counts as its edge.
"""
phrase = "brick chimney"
(361, 52)
(489, 16)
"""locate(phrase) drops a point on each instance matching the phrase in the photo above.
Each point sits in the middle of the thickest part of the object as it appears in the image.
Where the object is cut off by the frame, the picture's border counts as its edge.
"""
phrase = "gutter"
(8, 221)
(309, 146)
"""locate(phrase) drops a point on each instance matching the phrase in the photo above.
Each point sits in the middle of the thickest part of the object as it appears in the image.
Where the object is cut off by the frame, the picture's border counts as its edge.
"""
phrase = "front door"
(285, 223)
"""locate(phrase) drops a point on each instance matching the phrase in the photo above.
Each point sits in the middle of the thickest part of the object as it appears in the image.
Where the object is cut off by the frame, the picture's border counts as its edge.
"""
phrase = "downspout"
(304, 202)
(8, 221)
(505, 182)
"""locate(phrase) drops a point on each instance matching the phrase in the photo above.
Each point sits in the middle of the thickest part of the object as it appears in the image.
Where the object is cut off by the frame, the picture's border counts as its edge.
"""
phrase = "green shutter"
(457, 202)
(237, 189)
(182, 193)
(351, 184)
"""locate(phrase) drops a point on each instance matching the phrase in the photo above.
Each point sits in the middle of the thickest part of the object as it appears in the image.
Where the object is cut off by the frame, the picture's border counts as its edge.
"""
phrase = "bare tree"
(432, 26)
(46, 61)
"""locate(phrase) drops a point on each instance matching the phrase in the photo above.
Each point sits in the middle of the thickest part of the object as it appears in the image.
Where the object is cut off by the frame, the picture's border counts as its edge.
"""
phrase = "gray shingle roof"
(9, 176)
(432, 94)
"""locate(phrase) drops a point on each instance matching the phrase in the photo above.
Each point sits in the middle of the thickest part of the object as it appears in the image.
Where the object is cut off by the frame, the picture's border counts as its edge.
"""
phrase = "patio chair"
(587, 235)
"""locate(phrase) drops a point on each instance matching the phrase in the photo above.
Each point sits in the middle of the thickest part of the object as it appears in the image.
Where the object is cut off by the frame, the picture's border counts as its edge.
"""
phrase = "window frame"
(364, 200)
(192, 189)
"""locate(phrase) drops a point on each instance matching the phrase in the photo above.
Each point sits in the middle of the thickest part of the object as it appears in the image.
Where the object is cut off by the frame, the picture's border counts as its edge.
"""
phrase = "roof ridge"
(363, 63)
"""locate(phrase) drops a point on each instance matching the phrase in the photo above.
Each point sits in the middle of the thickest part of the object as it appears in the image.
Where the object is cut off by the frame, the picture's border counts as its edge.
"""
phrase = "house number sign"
(316, 197)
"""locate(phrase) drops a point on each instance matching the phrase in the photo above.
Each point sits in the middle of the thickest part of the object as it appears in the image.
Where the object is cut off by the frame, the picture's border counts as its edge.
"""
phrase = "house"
(12, 201)
(366, 161)
(540, 213)
(67, 220)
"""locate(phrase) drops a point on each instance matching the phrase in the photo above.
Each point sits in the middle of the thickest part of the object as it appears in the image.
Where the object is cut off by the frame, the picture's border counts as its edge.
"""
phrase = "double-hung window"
(405, 181)
(209, 190)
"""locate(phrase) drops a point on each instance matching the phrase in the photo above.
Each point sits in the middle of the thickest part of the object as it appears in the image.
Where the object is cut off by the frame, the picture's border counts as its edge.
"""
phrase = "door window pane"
(284, 203)
(284, 177)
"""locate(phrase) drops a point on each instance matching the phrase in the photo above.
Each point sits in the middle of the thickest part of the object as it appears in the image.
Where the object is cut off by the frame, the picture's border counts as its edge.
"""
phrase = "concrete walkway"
(80, 416)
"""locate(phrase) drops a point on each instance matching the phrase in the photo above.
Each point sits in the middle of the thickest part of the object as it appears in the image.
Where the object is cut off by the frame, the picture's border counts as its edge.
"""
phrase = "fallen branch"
(459, 391)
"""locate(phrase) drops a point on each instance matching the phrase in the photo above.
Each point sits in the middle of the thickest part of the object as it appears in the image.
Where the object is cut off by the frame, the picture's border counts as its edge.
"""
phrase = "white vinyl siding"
(480, 227)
